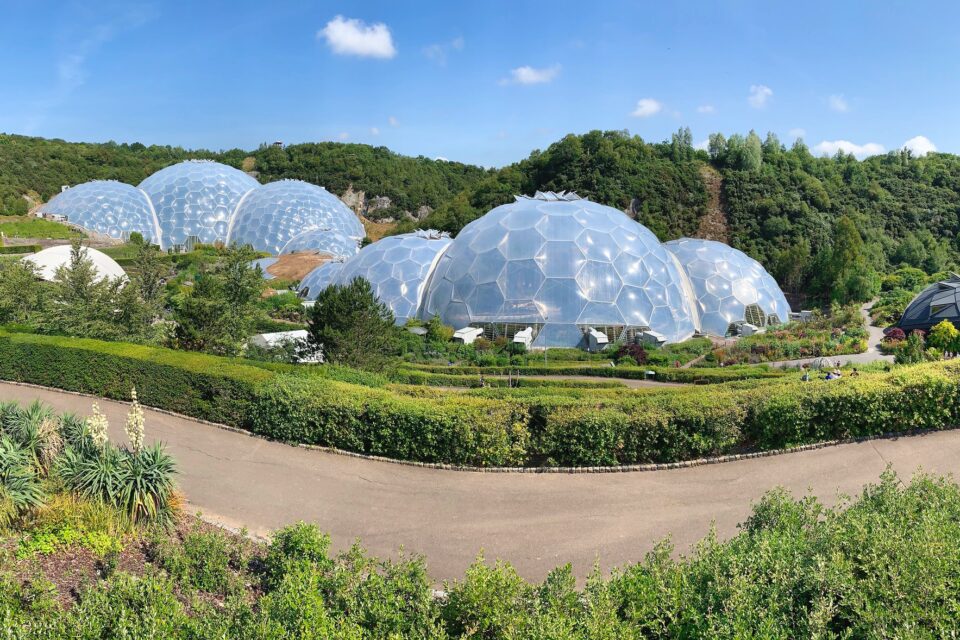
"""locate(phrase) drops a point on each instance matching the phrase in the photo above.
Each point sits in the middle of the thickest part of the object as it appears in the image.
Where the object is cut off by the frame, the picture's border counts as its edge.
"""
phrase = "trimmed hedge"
(20, 249)
(494, 427)
(413, 377)
(692, 375)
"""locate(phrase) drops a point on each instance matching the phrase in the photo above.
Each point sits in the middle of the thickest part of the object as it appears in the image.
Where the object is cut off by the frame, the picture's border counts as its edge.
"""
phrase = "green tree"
(23, 297)
(752, 152)
(220, 312)
(944, 336)
(350, 326)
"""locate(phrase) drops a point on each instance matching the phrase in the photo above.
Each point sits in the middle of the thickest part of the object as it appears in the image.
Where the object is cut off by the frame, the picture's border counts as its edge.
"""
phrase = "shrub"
(636, 352)
(202, 560)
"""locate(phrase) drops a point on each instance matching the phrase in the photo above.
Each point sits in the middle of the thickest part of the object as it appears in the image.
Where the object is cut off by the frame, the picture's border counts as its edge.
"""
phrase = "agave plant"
(19, 483)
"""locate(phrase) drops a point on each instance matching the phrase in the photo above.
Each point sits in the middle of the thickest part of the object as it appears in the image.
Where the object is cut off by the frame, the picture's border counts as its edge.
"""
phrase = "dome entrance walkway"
(536, 521)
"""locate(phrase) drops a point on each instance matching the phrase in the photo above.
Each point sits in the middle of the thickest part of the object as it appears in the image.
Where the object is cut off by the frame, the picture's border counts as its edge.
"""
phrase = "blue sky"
(481, 82)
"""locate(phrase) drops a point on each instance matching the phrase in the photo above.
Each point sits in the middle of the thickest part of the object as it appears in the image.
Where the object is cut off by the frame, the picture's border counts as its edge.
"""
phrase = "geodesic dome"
(271, 215)
(50, 260)
(562, 265)
(729, 286)
(326, 241)
(196, 198)
(108, 207)
(319, 279)
(938, 302)
(397, 268)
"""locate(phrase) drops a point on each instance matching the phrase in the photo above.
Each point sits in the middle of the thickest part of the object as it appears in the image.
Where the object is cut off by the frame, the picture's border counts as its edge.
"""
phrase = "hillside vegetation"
(826, 227)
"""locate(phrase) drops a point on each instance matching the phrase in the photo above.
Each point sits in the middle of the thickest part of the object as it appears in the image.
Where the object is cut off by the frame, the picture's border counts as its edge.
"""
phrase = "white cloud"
(393, 121)
(830, 147)
(760, 94)
(530, 75)
(797, 133)
(920, 146)
(646, 107)
(838, 103)
(352, 37)
(343, 135)
(439, 52)
(374, 131)
(703, 145)
(706, 108)
(442, 159)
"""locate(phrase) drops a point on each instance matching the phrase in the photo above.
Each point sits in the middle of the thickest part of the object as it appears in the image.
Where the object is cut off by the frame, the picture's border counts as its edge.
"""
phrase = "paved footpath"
(536, 521)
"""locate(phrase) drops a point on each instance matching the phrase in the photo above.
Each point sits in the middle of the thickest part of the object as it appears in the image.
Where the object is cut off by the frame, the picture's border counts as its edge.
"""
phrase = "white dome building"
(729, 286)
(272, 215)
(561, 265)
(107, 207)
(196, 198)
(48, 261)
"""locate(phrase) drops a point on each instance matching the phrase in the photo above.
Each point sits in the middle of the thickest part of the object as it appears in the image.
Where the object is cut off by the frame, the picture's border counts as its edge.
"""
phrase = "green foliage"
(765, 409)
(20, 487)
(883, 564)
(350, 326)
(20, 249)
(219, 313)
(203, 560)
(944, 336)
(27, 227)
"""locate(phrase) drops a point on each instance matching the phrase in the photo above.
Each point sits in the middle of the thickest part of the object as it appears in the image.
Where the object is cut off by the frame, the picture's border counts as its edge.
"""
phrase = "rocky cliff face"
(364, 206)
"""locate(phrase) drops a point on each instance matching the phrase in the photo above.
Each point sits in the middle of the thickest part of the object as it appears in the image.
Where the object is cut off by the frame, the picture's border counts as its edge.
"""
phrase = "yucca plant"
(146, 485)
(76, 434)
(95, 475)
(37, 430)
(20, 484)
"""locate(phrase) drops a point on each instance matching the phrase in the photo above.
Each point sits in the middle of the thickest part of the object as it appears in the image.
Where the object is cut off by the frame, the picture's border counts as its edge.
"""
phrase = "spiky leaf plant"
(146, 485)
(19, 481)
(36, 429)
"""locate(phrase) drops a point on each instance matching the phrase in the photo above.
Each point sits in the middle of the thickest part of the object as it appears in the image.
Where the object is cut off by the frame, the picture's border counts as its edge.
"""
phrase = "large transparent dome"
(107, 207)
(270, 216)
(398, 267)
(196, 198)
(319, 279)
(729, 286)
(560, 264)
(326, 241)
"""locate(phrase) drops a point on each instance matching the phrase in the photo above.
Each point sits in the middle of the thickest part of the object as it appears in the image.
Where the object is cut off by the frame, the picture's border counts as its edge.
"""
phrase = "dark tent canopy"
(940, 301)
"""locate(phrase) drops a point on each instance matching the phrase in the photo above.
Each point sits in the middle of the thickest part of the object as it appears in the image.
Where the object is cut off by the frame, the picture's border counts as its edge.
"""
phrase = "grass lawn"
(29, 227)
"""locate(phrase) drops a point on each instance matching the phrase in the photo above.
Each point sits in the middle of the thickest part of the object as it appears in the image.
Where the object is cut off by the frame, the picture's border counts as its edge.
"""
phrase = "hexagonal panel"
(107, 207)
(725, 281)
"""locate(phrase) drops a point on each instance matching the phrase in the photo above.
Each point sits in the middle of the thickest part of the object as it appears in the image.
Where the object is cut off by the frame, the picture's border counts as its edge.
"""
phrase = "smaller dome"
(319, 279)
(270, 216)
(397, 268)
(50, 260)
(326, 241)
(107, 207)
(729, 286)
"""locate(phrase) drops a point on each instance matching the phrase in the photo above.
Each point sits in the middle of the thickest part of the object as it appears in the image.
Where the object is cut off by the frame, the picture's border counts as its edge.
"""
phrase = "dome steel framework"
(562, 265)
(108, 207)
(729, 286)
(196, 198)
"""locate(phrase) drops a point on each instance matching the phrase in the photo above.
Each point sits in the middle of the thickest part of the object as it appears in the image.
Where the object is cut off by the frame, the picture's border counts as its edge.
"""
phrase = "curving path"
(872, 354)
(536, 521)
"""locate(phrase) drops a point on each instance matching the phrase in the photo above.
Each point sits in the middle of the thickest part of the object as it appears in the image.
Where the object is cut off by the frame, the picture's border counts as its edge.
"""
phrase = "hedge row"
(491, 427)
(20, 249)
(662, 374)
(414, 377)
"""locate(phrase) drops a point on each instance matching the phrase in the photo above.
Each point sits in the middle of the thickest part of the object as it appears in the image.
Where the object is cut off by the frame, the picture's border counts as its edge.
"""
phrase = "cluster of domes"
(209, 202)
(562, 265)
